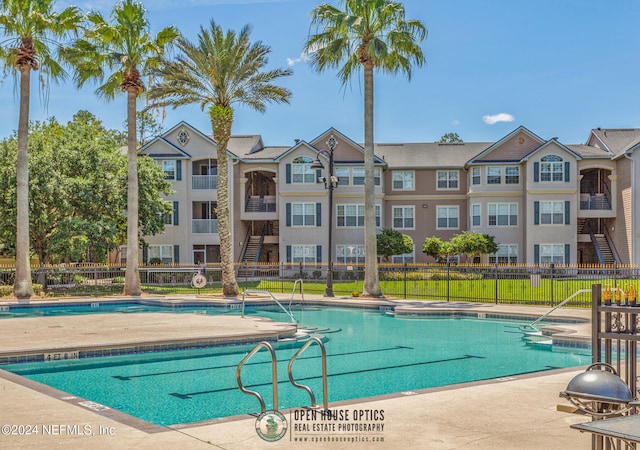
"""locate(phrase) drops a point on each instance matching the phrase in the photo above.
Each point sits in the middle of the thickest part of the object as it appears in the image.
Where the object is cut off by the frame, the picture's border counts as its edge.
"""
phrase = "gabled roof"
(547, 144)
(492, 147)
(616, 140)
(587, 151)
(245, 145)
(429, 155)
(163, 143)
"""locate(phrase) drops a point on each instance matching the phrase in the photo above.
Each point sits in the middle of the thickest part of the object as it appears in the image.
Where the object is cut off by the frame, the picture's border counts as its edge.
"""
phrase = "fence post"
(405, 279)
(448, 277)
(552, 296)
(496, 277)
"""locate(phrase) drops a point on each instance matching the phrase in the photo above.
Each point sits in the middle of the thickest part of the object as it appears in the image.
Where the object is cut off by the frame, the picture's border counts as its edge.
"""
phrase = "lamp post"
(329, 183)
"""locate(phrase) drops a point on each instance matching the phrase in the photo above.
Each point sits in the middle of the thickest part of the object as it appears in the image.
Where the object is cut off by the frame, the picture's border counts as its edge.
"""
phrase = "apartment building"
(544, 201)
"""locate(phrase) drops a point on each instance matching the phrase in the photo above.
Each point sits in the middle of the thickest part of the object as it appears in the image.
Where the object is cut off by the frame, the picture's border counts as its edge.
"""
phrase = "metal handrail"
(264, 291)
(274, 375)
(293, 292)
(325, 389)
(575, 294)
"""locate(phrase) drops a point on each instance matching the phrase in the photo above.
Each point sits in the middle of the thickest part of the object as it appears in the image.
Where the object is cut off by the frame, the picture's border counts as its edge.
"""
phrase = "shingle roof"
(618, 140)
(587, 151)
(265, 153)
(429, 154)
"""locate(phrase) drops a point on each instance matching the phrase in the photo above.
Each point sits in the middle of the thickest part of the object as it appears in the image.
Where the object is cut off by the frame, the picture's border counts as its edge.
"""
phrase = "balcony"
(594, 202)
(204, 226)
(199, 182)
(261, 204)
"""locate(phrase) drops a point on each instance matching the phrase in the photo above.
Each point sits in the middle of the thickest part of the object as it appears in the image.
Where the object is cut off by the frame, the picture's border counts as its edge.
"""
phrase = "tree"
(33, 34)
(122, 50)
(433, 247)
(391, 242)
(368, 35)
(450, 138)
(220, 70)
(473, 244)
(147, 126)
(78, 186)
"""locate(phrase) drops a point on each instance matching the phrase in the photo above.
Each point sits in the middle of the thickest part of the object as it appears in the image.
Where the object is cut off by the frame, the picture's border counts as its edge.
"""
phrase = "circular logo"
(198, 281)
(271, 426)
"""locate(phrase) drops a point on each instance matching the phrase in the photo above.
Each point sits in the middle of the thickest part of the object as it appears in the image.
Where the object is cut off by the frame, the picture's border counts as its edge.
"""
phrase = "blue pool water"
(369, 353)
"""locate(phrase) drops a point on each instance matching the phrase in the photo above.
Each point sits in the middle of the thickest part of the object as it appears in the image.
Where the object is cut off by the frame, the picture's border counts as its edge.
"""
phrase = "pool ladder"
(274, 374)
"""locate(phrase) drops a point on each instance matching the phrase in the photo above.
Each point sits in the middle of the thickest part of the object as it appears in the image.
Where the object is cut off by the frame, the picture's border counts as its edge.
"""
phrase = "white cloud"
(455, 122)
(501, 117)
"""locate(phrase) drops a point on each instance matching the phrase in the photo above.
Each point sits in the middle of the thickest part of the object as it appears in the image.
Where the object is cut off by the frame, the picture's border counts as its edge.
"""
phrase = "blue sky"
(558, 67)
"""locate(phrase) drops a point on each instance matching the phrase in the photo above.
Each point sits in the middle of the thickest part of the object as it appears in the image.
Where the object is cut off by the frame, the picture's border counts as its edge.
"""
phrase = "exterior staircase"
(605, 249)
(251, 253)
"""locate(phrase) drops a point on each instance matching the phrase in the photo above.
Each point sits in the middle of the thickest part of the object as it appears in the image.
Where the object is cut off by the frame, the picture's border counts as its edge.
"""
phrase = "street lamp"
(331, 183)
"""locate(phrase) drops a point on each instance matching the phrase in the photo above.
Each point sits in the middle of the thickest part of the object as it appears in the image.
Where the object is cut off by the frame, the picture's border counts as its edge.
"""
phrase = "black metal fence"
(532, 285)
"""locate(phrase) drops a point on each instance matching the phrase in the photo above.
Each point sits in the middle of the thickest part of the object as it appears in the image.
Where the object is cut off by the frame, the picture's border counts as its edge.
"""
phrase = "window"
(494, 175)
(551, 168)
(503, 214)
(403, 180)
(403, 217)
(408, 258)
(552, 213)
(350, 254)
(506, 254)
(301, 171)
(475, 175)
(447, 179)
(552, 253)
(353, 215)
(305, 254)
(448, 217)
(512, 175)
(169, 169)
(475, 215)
(358, 176)
(377, 176)
(303, 214)
(342, 173)
(163, 252)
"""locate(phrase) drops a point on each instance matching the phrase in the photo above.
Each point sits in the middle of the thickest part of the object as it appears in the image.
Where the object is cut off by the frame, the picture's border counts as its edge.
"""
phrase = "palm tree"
(122, 51)
(369, 35)
(220, 70)
(30, 35)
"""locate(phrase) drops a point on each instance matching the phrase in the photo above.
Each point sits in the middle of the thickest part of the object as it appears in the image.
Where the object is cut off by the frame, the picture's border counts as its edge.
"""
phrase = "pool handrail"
(274, 375)
(575, 294)
(293, 292)
(264, 291)
(325, 389)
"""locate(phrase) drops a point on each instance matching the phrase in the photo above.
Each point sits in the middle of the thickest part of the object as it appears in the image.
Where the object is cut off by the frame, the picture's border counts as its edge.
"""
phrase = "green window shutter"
(319, 253)
(176, 254)
(567, 174)
(567, 254)
(536, 254)
(288, 173)
(567, 213)
(178, 170)
(536, 172)
(288, 253)
(318, 214)
(176, 213)
(536, 213)
(288, 214)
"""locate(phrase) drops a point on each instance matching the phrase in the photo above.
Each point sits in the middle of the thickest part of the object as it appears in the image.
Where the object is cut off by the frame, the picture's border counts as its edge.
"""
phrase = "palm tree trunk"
(132, 275)
(371, 279)
(221, 120)
(23, 288)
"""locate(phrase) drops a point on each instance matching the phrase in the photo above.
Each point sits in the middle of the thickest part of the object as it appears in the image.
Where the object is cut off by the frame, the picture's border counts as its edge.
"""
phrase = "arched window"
(551, 168)
(301, 171)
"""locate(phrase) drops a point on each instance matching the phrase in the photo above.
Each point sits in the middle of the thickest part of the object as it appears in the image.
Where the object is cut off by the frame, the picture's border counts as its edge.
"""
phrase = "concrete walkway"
(515, 413)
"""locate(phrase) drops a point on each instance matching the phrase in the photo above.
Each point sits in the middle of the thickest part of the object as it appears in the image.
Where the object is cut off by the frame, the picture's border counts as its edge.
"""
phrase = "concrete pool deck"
(517, 412)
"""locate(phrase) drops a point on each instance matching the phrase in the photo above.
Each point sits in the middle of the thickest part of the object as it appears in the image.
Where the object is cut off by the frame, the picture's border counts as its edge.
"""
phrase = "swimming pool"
(369, 352)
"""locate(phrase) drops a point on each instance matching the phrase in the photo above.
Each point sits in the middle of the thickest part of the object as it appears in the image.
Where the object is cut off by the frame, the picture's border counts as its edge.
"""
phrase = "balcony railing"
(204, 226)
(594, 202)
(204, 182)
(261, 204)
